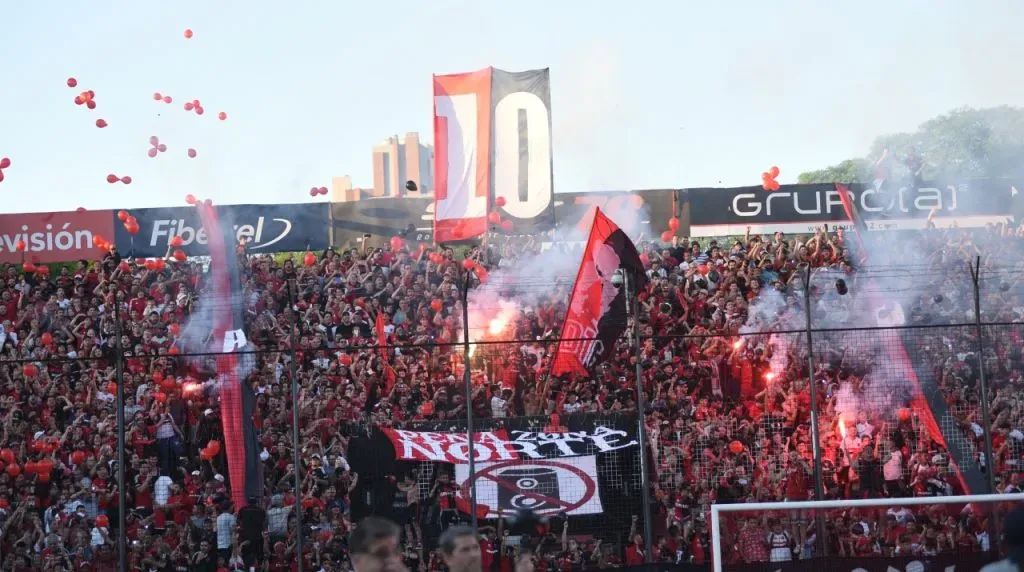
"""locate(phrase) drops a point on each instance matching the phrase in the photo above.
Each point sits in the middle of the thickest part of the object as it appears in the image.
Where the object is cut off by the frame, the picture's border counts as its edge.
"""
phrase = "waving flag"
(237, 399)
(597, 308)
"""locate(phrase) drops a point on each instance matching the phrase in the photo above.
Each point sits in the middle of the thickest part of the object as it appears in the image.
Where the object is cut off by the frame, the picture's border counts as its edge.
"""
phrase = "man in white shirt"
(500, 403)
(225, 530)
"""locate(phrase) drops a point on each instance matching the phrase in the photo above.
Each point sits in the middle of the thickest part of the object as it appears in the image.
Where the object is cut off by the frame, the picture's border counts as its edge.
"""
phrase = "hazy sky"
(644, 94)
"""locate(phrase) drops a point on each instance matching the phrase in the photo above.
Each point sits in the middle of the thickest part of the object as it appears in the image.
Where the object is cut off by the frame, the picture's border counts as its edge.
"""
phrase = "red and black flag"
(226, 303)
(597, 308)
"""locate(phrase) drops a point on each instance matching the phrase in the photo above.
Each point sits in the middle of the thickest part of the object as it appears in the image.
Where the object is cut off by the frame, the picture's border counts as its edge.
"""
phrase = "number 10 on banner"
(526, 194)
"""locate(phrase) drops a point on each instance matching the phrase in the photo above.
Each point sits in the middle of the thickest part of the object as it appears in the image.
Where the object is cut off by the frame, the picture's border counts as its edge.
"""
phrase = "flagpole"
(468, 381)
(645, 474)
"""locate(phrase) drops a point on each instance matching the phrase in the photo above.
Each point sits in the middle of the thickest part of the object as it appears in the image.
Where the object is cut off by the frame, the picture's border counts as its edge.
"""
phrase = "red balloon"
(46, 339)
(774, 171)
(161, 147)
(192, 153)
(132, 229)
(154, 140)
(167, 99)
(177, 241)
(7, 456)
(214, 447)
(345, 360)
(79, 100)
(30, 370)
(124, 266)
(77, 458)
(152, 152)
(90, 104)
(190, 199)
(188, 106)
(436, 305)
(500, 201)
(101, 123)
(506, 225)
(323, 190)
(28, 267)
(157, 96)
(102, 521)
(112, 178)
(397, 243)
(4, 163)
(468, 263)
(195, 103)
(72, 82)
(126, 180)
(131, 220)
(494, 218)
(222, 116)
(199, 110)
(188, 33)
(309, 259)
(313, 192)
(20, 246)
(179, 256)
(673, 224)
(13, 470)
(666, 236)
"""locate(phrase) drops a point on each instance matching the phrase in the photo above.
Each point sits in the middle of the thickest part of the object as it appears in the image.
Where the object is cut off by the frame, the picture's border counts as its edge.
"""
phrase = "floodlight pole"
(645, 473)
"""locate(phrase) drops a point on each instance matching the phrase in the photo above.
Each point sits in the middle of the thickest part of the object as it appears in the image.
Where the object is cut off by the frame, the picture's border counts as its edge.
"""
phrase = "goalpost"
(811, 509)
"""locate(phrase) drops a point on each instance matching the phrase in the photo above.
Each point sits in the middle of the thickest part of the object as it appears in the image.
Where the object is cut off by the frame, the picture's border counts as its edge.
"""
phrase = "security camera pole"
(645, 477)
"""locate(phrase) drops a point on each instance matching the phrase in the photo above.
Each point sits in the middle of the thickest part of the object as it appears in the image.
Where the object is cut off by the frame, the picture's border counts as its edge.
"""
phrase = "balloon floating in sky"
(167, 99)
(222, 116)
(86, 98)
(101, 123)
(126, 180)
(157, 146)
(112, 178)
(191, 153)
(188, 33)
(4, 163)
(72, 82)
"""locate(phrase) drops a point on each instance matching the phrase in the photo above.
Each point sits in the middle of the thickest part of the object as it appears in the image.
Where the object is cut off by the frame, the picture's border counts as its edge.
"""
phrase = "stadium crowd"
(728, 415)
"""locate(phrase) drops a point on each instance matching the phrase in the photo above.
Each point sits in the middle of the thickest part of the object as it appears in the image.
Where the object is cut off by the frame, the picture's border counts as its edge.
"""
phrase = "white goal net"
(918, 534)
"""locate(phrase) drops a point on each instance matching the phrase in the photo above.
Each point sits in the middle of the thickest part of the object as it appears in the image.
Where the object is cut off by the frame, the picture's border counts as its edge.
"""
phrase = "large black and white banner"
(264, 228)
(587, 467)
(804, 208)
(522, 180)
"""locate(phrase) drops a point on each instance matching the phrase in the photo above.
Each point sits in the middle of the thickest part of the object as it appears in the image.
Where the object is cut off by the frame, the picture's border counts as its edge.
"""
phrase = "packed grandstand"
(726, 381)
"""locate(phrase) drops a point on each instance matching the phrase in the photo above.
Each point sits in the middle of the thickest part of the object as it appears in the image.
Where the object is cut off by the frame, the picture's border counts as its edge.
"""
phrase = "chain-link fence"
(886, 388)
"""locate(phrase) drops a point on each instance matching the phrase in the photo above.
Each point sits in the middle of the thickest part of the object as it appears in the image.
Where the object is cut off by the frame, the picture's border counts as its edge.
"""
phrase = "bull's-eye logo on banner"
(545, 487)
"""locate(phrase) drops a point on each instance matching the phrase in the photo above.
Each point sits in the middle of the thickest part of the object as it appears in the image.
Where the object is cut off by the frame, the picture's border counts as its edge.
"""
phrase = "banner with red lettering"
(501, 445)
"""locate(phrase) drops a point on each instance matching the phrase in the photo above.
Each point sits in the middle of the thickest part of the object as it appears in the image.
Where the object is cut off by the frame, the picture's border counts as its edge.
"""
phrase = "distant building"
(395, 161)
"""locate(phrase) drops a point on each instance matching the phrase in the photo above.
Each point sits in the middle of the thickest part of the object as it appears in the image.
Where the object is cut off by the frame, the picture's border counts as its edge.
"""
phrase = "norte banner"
(492, 139)
(804, 208)
(501, 445)
(265, 228)
(53, 237)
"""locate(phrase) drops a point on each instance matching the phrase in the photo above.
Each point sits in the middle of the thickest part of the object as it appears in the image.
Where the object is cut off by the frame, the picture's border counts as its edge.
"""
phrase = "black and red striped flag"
(597, 308)
(226, 303)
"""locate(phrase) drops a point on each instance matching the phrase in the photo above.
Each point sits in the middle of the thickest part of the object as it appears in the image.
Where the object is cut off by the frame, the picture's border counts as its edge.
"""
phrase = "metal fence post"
(122, 544)
(468, 381)
(293, 340)
(819, 485)
(645, 472)
(983, 378)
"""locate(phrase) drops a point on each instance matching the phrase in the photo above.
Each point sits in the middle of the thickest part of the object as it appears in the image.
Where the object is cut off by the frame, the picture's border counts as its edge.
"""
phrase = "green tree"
(964, 143)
